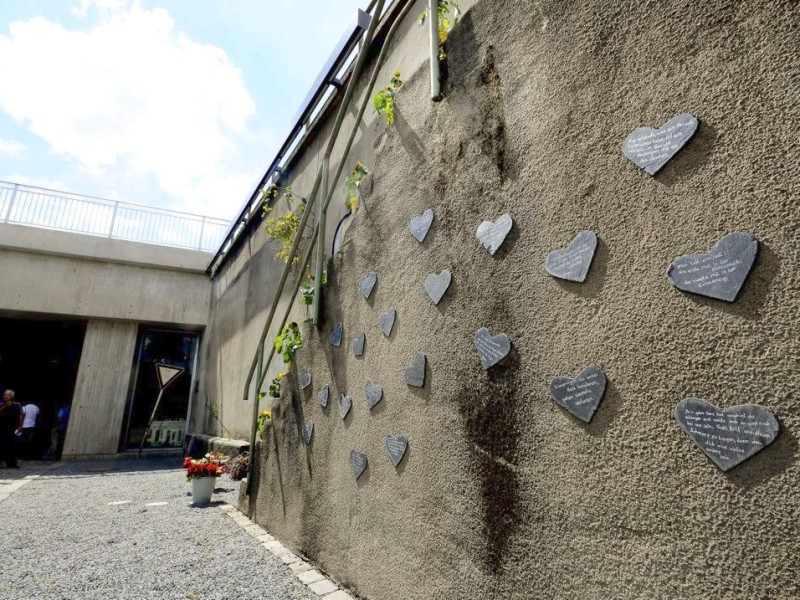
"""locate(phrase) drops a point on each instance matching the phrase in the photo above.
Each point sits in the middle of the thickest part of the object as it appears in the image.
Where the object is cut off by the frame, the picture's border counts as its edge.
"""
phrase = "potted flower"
(203, 473)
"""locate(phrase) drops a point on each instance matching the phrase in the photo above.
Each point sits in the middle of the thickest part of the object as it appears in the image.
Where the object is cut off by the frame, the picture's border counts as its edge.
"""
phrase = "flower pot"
(202, 488)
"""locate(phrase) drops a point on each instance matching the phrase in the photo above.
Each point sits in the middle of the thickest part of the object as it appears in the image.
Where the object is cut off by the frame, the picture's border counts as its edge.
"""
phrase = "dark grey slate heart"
(491, 349)
(386, 321)
(719, 273)
(396, 446)
(650, 149)
(572, 263)
(345, 403)
(367, 283)
(580, 396)
(358, 462)
(336, 334)
(308, 431)
(415, 374)
(436, 285)
(419, 226)
(374, 393)
(323, 396)
(358, 344)
(492, 235)
(305, 378)
(728, 437)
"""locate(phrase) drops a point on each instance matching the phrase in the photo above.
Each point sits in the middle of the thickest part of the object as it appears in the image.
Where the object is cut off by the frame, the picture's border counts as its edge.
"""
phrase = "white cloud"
(131, 93)
(11, 147)
(50, 184)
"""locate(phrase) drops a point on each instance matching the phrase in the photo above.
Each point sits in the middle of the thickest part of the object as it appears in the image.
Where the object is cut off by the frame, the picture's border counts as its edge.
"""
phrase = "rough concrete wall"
(503, 494)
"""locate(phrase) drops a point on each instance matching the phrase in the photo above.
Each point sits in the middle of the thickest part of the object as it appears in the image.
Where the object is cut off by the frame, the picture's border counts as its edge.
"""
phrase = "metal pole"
(202, 232)
(254, 424)
(11, 202)
(150, 422)
(322, 223)
(113, 219)
(436, 89)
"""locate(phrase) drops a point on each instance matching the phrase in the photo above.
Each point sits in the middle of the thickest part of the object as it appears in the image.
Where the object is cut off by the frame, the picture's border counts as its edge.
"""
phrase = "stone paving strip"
(306, 573)
(9, 486)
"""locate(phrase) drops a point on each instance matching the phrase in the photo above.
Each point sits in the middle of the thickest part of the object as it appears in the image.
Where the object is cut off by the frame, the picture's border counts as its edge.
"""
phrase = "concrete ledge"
(198, 444)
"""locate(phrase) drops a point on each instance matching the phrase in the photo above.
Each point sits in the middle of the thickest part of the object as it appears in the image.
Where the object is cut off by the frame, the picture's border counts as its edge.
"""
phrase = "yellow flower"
(278, 376)
(397, 73)
(265, 413)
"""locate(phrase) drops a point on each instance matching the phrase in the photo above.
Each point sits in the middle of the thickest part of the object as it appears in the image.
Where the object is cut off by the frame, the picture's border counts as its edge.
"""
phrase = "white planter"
(202, 488)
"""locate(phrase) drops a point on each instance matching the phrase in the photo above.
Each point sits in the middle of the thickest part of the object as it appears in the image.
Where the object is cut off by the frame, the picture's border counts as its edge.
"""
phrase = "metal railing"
(41, 207)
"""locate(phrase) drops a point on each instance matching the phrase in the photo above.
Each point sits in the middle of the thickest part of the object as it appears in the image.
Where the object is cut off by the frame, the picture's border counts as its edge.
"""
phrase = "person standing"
(58, 433)
(29, 422)
(10, 424)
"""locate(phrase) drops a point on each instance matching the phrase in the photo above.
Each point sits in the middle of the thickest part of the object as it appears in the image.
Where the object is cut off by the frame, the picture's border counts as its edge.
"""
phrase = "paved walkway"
(125, 529)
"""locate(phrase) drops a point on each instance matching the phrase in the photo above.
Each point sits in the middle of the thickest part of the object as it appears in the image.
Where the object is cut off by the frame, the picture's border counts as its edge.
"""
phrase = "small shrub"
(383, 101)
(238, 466)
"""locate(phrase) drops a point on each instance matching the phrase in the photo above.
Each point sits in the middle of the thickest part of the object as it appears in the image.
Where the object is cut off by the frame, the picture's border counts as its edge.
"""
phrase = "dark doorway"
(39, 360)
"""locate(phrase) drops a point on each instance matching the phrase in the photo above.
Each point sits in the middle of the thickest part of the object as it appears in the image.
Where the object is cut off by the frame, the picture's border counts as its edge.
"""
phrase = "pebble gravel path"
(125, 529)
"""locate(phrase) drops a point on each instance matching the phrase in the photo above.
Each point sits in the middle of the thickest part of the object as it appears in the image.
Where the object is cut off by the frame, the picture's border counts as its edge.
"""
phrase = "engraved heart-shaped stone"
(491, 348)
(386, 321)
(308, 431)
(374, 393)
(572, 263)
(415, 374)
(336, 334)
(719, 273)
(492, 235)
(580, 396)
(305, 378)
(323, 396)
(650, 149)
(358, 462)
(367, 283)
(358, 344)
(436, 285)
(345, 403)
(728, 437)
(420, 225)
(396, 446)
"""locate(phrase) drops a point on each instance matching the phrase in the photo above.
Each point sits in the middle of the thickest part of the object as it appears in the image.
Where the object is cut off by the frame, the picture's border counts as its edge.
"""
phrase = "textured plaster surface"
(502, 494)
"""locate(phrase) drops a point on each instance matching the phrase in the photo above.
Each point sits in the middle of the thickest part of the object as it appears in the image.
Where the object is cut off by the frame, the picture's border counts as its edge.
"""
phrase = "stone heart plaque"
(650, 149)
(728, 437)
(358, 344)
(572, 263)
(336, 334)
(491, 348)
(367, 283)
(374, 393)
(358, 462)
(719, 273)
(396, 446)
(415, 374)
(323, 396)
(308, 431)
(492, 235)
(345, 404)
(420, 225)
(436, 285)
(580, 396)
(305, 378)
(386, 321)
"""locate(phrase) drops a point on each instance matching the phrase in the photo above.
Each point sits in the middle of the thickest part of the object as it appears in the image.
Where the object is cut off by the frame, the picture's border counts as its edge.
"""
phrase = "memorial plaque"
(572, 263)
(580, 396)
(491, 348)
(650, 149)
(420, 225)
(367, 283)
(396, 446)
(308, 431)
(415, 374)
(358, 344)
(374, 393)
(305, 378)
(323, 396)
(719, 273)
(492, 235)
(358, 462)
(336, 334)
(345, 404)
(728, 437)
(436, 285)
(386, 321)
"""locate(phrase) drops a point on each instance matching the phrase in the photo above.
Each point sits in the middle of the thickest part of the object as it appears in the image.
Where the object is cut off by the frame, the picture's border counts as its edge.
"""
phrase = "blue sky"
(173, 103)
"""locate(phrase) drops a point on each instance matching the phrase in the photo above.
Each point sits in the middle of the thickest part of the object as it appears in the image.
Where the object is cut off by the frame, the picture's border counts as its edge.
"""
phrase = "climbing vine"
(444, 8)
(383, 101)
(287, 343)
(283, 229)
(351, 185)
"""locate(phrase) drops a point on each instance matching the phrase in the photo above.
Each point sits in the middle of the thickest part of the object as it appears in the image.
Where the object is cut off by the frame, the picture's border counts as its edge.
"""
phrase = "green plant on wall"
(351, 184)
(287, 343)
(275, 386)
(444, 9)
(307, 289)
(283, 229)
(383, 101)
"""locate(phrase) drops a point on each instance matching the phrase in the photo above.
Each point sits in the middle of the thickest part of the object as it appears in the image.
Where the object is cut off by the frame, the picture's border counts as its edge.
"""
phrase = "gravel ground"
(60, 538)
